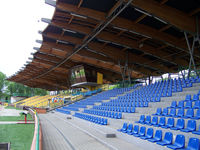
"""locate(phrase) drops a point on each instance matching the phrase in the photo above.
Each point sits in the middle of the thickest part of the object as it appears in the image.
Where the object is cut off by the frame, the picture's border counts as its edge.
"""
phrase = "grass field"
(19, 135)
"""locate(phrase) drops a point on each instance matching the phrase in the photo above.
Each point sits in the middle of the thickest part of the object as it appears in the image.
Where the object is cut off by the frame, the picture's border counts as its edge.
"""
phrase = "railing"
(37, 138)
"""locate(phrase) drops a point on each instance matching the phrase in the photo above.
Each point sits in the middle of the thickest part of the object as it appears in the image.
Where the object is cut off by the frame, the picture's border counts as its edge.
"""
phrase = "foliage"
(8, 89)
(2, 84)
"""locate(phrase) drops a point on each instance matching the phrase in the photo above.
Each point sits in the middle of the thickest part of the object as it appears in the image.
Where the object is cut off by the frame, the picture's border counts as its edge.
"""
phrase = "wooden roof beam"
(119, 55)
(125, 24)
(123, 41)
(171, 15)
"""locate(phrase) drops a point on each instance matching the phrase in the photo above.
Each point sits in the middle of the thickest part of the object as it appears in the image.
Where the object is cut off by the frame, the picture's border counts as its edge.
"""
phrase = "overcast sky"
(19, 25)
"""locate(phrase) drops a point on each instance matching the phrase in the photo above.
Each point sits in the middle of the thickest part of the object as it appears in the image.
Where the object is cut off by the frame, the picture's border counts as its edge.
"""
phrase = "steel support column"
(191, 50)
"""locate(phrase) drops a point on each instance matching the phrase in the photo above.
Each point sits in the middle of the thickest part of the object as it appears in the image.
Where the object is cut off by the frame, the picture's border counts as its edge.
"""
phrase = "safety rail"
(37, 138)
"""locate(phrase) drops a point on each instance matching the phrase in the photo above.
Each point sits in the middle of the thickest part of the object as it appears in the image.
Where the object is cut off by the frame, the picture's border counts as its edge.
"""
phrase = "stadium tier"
(166, 113)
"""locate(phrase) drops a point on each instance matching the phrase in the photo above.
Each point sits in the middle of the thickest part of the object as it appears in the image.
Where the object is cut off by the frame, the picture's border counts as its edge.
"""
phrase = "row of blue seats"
(181, 113)
(187, 104)
(195, 97)
(109, 114)
(63, 111)
(70, 108)
(179, 143)
(94, 119)
(118, 109)
(180, 124)
(133, 100)
(125, 104)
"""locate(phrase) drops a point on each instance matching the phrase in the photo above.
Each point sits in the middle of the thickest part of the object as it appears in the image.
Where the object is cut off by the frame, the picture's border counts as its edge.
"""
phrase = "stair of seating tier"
(165, 101)
(116, 124)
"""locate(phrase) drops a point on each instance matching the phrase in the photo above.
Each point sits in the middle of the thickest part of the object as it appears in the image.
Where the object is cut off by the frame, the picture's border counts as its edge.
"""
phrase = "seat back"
(159, 111)
(135, 129)
(196, 104)
(180, 123)
(188, 104)
(162, 121)
(173, 112)
(120, 115)
(168, 137)
(194, 144)
(148, 119)
(180, 140)
(105, 121)
(165, 112)
(188, 97)
(190, 113)
(191, 125)
(196, 97)
(173, 104)
(180, 104)
(158, 135)
(142, 118)
(142, 131)
(154, 120)
(170, 122)
(125, 126)
(150, 133)
(180, 112)
(130, 127)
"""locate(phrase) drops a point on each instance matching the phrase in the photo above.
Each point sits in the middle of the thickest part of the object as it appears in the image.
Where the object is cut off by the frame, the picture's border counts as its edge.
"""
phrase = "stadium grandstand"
(134, 66)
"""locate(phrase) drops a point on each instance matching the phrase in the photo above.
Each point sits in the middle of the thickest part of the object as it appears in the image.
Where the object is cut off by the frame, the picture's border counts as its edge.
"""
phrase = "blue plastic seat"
(148, 120)
(170, 123)
(167, 139)
(142, 119)
(195, 97)
(180, 113)
(133, 109)
(188, 98)
(135, 130)
(188, 104)
(154, 120)
(189, 113)
(193, 144)
(124, 127)
(158, 112)
(157, 137)
(197, 132)
(112, 115)
(165, 112)
(129, 129)
(105, 122)
(173, 104)
(172, 112)
(179, 142)
(196, 105)
(191, 126)
(161, 122)
(149, 134)
(180, 104)
(197, 116)
(179, 125)
(119, 115)
(141, 132)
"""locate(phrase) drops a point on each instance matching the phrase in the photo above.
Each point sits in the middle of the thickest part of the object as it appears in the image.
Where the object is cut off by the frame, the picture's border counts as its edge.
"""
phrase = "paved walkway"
(58, 135)
(10, 112)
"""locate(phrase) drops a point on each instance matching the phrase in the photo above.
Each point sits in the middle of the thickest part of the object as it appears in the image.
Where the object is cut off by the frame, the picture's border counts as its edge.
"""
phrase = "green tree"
(2, 85)
(8, 89)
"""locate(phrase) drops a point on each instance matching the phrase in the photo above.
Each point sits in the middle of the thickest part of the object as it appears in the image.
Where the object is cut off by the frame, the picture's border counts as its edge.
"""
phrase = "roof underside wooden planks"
(147, 35)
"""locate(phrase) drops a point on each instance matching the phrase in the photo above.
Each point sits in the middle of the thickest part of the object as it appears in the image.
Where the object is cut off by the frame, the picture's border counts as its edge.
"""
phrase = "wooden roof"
(148, 35)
